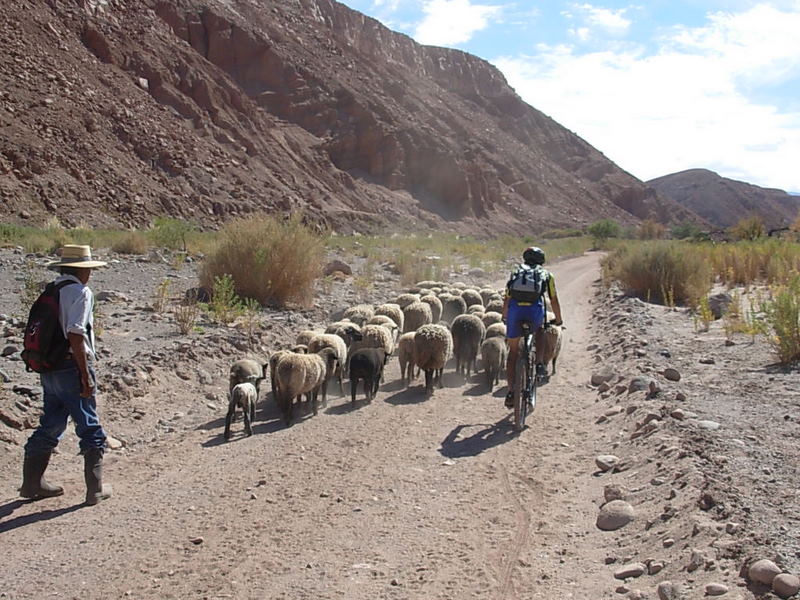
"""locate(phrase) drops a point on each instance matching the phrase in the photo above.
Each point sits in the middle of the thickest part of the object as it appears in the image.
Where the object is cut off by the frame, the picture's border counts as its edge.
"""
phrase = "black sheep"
(366, 364)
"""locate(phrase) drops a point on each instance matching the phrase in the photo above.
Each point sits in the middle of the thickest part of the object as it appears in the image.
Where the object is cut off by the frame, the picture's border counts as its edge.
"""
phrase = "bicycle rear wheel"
(521, 379)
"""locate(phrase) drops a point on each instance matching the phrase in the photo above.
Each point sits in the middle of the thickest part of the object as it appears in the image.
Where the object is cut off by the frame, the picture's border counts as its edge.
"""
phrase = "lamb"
(405, 354)
(329, 340)
(436, 306)
(393, 311)
(493, 356)
(366, 364)
(359, 314)
(468, 332)
(452, 306)
(416, 315)
(496, 330)
(298, 374)
(433, 347)
(471, 297)
(244, 395)
(245, 370)
(491, 317)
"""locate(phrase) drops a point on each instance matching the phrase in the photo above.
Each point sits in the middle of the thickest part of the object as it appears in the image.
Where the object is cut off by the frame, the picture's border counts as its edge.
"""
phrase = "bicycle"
(526, 381)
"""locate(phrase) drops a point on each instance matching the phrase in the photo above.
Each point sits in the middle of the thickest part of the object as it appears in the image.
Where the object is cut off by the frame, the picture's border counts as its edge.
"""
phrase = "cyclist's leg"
(511, 361)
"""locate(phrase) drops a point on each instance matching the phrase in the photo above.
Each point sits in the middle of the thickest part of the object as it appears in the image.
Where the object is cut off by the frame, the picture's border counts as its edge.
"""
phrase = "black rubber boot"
(34, 484)
(93, 473)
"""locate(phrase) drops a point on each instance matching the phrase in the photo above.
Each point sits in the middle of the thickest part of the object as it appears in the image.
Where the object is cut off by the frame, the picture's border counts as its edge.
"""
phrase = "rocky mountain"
(112, 112)
(723, 202)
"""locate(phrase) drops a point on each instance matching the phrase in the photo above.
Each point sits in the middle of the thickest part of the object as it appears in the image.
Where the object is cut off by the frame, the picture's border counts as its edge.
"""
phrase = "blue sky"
(658, 87)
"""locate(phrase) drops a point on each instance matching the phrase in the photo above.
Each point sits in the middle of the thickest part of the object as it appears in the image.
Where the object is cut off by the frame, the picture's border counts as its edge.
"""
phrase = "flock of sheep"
(424, 328)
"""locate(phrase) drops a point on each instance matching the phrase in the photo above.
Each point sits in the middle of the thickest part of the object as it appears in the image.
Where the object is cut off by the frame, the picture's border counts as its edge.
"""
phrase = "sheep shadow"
(411, 395)
(347, 407)
(271, 421)
(480, 441)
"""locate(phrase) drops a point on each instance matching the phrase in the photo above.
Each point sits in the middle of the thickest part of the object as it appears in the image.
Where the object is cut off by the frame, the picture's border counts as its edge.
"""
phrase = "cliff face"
(213, 109)
(723, 202)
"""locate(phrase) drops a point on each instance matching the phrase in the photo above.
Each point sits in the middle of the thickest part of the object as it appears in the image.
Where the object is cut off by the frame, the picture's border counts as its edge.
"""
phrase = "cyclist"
(515, 311)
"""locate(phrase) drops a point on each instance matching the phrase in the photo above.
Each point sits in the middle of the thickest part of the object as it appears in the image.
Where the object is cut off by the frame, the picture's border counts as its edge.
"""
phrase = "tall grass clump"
(782, 316)
(771, 261)
(661, 272)
(134, 242)
(269, 260)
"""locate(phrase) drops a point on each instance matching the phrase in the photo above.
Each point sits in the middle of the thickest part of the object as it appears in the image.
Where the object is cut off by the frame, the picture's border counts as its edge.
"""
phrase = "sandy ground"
(403, 497)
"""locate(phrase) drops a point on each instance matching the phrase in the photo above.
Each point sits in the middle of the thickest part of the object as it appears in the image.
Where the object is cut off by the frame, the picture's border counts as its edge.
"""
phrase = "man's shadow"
(9, 507)
(488, 437)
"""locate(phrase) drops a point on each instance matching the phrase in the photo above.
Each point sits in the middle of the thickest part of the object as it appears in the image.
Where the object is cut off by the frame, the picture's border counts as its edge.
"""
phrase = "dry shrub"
(749, 228)
(662, 272)
(650, 230)
(270, 260)
(134, 242)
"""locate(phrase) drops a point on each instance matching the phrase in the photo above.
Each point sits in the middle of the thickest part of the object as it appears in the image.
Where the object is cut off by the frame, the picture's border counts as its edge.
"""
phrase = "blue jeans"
(62, 399)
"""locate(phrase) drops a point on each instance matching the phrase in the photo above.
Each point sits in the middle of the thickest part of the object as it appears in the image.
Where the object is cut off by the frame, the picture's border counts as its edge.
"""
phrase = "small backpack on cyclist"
(527, 284)
(44, 344)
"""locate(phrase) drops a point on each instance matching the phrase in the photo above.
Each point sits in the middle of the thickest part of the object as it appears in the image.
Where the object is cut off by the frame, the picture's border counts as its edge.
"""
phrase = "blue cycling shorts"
(516, 314)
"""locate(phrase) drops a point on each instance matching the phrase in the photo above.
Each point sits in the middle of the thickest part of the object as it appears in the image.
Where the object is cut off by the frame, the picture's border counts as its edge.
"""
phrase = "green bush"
(782, 315)
(601, 231)
(685, 230)
(171, 233)
(269, 260)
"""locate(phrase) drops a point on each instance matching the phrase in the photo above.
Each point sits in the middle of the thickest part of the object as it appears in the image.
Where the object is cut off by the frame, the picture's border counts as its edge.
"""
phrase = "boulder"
(615, 515)
(605, 375)
(763, 571)
(719, 303)
(337, 265)
(672, 374)
(630, 570)
(606, 462)
(786, 585)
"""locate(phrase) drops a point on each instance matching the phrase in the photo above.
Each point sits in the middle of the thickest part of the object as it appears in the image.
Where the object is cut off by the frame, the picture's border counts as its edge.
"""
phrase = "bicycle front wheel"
(521, 377)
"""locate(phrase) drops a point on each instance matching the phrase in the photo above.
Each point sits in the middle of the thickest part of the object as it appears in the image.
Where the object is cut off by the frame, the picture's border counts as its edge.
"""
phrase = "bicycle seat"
(526, 326)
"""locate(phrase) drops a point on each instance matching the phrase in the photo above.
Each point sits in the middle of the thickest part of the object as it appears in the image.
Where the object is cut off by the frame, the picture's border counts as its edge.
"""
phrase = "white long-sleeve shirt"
(75, 304)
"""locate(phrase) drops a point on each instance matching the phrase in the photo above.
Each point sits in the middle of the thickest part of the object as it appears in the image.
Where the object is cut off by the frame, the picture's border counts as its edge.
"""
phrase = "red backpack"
(44, 345)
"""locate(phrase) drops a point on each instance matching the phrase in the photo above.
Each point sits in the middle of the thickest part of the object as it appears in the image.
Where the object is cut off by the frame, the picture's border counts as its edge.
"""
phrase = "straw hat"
(73, 255)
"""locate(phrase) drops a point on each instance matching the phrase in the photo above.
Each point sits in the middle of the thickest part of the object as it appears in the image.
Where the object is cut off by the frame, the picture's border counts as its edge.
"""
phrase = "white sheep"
(436, 306)
(486, 294)
(359, 314)
(299, 374)
(245, 369)
(404, 300)
(305, 336)
(243, 395)
(405, 355)
(471, 297)
(495, 305)
(393, 311)
(387, 322)
(433, 347)
(468, 333)
(491, 317)
(330, 340)
(375, 336)
(416, 315)
(493, 357)
(496, 330)
(476, 309)
(452, 306)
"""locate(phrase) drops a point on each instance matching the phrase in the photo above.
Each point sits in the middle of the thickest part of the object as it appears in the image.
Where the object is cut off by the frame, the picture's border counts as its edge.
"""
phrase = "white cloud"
(451, 22)
(689, 105)
(594, 19)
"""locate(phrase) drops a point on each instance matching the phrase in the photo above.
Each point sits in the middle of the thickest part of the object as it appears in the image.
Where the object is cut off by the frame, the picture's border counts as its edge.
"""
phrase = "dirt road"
(401, 498)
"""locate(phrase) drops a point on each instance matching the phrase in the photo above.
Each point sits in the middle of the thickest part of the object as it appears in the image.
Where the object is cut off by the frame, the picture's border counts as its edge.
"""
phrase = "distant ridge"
(723, 202)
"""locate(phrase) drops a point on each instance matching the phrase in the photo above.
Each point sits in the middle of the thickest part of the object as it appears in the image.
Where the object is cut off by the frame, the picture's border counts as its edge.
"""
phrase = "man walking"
(70, 387)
